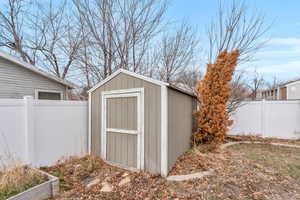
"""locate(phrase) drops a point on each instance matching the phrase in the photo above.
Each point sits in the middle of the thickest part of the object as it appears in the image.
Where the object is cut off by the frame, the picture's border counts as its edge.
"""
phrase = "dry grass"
(246, 171)
(71, 172)
(18, 179)
(284, 160)
(200, 158)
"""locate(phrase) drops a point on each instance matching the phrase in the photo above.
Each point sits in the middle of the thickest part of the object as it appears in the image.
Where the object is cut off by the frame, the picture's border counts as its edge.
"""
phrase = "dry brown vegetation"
(76, 173)
(213, 93)
(200, 158)
(73, 171)
(245, 171)
(18, 179)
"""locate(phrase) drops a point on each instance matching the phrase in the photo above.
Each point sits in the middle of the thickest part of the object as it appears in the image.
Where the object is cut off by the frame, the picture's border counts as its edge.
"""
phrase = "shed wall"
(180, 124)
(152, 118)
(16, 81)
(293, 91)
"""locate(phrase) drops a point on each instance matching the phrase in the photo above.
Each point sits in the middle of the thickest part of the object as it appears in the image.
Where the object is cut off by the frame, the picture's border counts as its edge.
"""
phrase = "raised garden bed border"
(42, 191)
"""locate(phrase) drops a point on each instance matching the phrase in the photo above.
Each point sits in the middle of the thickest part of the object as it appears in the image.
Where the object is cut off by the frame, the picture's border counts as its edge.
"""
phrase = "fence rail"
(40, 132)
(278, 119)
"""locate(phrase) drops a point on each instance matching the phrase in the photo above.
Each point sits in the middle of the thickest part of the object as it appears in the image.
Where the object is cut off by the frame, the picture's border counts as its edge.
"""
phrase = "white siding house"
(286, 91)
(293, 90)
(19, 79)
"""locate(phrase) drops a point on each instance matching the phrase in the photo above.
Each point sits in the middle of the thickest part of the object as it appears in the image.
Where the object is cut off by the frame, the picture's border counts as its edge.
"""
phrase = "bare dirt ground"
(244, 171)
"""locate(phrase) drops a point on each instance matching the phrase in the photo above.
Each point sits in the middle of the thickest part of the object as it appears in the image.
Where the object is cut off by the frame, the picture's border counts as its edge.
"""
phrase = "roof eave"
(183, 91)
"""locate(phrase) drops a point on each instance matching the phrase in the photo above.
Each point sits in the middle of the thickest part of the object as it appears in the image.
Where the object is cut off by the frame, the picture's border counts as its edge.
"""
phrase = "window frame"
(36, 95)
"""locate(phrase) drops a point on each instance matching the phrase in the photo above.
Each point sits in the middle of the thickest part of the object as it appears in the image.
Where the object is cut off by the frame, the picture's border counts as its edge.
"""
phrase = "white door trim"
(115, 130)
(134, 92)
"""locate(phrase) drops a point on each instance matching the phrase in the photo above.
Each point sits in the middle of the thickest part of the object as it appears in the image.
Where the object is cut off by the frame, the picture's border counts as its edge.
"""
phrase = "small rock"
(270, 171)
(77, 166)
(106, 187)
(93, 182)
(125, 174)
(124, 181)
(258, 166)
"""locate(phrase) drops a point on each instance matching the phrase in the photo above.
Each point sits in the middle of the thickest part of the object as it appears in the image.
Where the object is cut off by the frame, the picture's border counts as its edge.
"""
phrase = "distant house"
(19, 79)
(287, 91)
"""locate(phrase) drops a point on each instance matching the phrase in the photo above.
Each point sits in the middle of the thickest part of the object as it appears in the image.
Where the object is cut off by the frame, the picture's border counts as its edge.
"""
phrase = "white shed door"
(123, 128)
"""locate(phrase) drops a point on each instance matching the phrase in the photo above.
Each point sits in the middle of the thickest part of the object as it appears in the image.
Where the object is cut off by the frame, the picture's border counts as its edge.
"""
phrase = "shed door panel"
(121, 146)
(122, 113)
(122, 149)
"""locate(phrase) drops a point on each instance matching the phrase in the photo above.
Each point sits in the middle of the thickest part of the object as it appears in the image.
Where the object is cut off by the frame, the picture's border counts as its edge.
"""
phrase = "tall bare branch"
(234, 28)
(255, 83)
(13, 29)
(120, 32)
(176, 52)
(59, 39)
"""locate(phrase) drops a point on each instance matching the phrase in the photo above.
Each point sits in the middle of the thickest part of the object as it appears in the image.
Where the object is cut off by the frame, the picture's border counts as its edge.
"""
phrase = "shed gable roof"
(34, 69)
(151, 80)
(157, 82)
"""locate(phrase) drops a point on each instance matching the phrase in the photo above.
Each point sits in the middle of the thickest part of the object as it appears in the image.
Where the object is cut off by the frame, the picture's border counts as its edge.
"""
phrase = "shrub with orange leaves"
(213, 94)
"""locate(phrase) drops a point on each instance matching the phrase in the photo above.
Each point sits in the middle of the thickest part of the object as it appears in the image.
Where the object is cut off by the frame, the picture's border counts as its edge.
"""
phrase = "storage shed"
(139, 123)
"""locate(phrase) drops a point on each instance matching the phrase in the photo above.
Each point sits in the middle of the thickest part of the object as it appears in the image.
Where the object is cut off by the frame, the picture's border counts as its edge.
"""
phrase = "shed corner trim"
(90, 124)
(164, 131)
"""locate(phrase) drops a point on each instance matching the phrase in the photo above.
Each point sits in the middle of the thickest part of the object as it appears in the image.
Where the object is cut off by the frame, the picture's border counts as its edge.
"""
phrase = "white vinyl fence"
(278, 119)
(40, 132)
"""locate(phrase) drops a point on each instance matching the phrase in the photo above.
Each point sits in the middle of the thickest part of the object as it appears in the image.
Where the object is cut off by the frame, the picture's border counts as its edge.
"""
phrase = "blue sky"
(281, 55)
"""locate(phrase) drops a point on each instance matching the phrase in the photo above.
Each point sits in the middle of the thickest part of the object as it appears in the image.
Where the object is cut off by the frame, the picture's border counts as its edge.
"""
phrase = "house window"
(48, 95)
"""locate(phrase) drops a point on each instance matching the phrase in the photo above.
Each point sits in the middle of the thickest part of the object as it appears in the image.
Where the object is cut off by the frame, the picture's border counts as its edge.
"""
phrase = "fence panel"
(12, 135)
(40, 132)
(282, 119)
(61, 130)
(247, 119)
(279, 119)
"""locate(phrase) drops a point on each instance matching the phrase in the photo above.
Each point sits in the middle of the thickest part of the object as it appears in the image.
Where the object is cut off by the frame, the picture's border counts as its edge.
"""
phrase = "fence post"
(263, 120)
(29, 130)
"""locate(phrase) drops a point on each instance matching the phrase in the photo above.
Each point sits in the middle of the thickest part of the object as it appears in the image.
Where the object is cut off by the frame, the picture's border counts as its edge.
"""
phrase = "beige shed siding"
(16, 81)
(122, 113)
(180, 124)
(126, 152)
(152, 125)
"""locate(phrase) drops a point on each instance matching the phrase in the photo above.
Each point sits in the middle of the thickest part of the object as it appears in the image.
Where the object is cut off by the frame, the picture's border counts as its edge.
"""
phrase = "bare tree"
(234, 28)
(120, 32)
(274, 83)
(41, 34)
(59, 39)
(188, 78)
(13, 30)
(239, 91)
(176, 52)
(255, 84)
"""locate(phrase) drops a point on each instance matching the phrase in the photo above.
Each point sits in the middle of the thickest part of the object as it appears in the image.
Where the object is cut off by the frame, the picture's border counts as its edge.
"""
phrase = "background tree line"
(87, 40)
